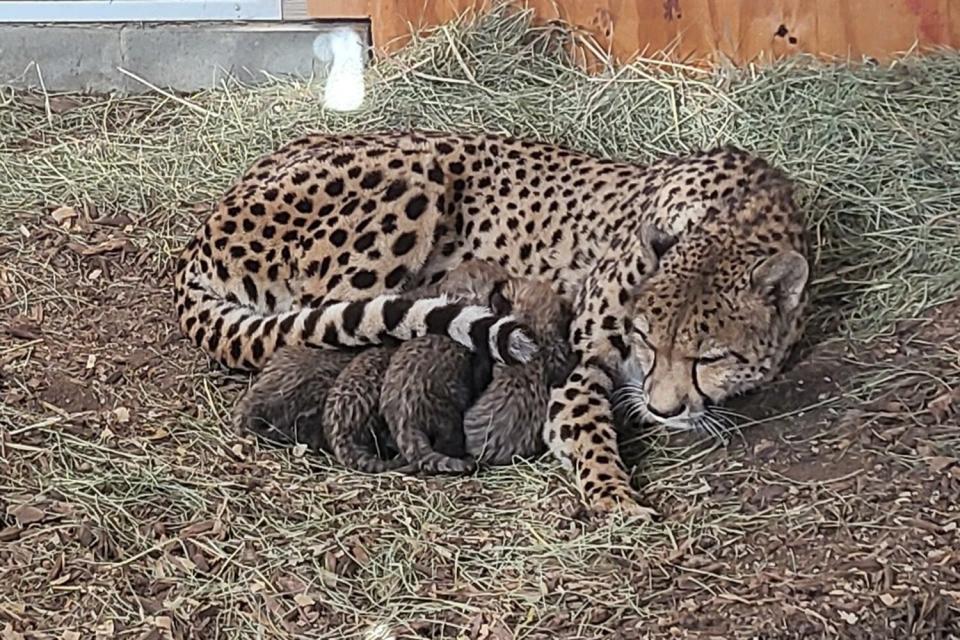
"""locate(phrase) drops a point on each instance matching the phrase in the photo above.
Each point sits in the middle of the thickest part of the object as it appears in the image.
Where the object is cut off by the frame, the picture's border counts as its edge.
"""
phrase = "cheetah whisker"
(729, 413)
(717, 429)
(727, 421)
(632, 408)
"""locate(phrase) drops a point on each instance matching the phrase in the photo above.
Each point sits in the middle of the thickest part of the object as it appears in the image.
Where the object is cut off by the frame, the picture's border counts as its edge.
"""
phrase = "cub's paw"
(437, 464)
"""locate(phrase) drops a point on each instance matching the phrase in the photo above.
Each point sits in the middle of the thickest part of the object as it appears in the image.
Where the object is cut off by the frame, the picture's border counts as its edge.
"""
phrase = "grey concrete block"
(65, 58)
(179, 57)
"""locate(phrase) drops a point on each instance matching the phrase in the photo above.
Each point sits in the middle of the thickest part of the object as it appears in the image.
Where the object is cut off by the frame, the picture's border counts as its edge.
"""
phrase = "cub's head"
(473, 281)
(537, 305)
(715, 320)
(533, 302)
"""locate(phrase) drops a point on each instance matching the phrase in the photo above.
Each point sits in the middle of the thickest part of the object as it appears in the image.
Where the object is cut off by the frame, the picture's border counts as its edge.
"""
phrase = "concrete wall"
(174, 56)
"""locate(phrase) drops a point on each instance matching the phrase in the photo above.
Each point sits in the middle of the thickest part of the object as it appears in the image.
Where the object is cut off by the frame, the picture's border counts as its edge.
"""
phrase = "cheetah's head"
(716, 319)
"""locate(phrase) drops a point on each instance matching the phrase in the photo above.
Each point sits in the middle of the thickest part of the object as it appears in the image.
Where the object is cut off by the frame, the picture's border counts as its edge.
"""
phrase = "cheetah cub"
(430, 400)
(507, 419)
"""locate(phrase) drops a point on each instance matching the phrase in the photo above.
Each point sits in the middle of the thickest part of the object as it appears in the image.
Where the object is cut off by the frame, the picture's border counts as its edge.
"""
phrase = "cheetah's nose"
(668, 413)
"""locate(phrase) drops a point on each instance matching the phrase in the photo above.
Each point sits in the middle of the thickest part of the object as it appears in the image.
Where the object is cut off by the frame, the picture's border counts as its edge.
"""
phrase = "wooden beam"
(697, 30)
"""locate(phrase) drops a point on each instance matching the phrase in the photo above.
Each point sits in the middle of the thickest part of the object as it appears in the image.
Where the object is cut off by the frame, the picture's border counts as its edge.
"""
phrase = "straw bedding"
(127, 510)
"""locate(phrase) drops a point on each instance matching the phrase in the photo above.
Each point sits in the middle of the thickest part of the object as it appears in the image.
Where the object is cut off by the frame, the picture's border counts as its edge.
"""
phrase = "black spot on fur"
(363, 279)
(396, 277)
(404, 243)
(555, 409)
(371, 179)
(415, 207)
(396, 189)
(365, 241)
(249, 287)
(342, 159)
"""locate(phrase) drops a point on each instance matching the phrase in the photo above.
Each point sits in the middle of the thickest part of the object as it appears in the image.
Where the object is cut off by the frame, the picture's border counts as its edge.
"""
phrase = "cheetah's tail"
(240, 337)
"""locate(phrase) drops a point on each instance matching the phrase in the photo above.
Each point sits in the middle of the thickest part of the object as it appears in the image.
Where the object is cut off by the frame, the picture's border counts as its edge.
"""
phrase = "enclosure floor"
(129, 509)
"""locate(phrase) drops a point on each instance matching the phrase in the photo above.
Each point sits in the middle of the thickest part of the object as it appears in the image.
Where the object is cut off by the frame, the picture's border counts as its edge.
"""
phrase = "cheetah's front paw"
(622, 500)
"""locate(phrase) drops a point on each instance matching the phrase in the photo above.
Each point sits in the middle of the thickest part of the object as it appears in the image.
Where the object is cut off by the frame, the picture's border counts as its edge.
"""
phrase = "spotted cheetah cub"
(343, 405)
(411, 399)
(507, 419)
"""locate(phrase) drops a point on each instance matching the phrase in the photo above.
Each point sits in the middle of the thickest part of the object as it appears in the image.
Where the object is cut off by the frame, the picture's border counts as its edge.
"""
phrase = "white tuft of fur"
(460, 327)
(343, 49)
(521, 346)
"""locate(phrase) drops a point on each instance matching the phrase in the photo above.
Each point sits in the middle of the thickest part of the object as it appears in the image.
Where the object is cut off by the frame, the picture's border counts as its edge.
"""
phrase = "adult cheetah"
(314, 243)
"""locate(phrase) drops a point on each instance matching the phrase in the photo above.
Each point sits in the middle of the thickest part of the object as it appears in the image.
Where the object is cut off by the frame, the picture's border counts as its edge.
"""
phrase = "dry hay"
(130, 512)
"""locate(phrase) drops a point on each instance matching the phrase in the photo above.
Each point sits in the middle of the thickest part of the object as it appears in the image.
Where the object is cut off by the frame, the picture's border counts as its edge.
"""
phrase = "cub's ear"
(783, 276)
(498, 302)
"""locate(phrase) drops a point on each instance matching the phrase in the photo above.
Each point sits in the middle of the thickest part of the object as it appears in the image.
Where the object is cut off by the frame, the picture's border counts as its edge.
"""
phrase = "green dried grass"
(873, 147)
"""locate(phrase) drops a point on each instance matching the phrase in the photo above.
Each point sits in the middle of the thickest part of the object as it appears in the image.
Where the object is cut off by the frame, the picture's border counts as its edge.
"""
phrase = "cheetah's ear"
(784, 276)
(658, 239)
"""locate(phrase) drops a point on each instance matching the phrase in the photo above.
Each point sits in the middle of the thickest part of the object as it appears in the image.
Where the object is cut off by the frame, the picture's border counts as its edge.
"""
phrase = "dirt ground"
(127, 509)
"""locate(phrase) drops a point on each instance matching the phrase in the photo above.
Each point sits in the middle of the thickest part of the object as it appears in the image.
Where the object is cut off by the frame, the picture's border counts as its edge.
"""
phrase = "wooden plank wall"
(699, 30)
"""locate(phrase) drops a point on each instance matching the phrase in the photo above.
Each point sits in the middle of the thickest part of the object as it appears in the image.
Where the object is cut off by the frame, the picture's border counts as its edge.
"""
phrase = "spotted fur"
(310, 245)
(506, 420)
